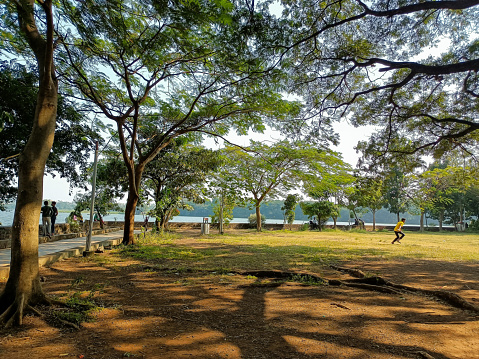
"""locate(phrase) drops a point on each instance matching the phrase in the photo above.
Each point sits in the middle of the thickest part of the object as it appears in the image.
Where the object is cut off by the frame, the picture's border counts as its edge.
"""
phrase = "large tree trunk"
(441, 219)
(100, 218)
(374, 219)
(319, 223)
(23, 288)
(131, 202)
(258, 218)
(130, 209)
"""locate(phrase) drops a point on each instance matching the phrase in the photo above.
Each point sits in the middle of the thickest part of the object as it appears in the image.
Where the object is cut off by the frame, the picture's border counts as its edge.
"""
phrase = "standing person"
(47, 219)
(145, 223)
(398, 231)
(145, 226)
(54, 216)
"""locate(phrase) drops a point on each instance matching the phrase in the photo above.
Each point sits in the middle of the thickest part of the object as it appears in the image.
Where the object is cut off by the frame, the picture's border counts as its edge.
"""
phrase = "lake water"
(6, 219)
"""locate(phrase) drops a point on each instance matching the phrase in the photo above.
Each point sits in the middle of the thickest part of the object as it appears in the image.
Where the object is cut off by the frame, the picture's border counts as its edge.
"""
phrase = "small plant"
(304, 227)
(77, 281)
(76, 310)
(74, 227)
(306, 279)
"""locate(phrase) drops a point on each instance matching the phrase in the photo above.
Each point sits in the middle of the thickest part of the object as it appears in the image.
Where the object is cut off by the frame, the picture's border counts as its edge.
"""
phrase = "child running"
(398, 231)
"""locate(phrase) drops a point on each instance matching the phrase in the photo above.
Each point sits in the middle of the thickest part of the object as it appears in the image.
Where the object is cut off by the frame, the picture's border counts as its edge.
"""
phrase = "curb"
(67, 253)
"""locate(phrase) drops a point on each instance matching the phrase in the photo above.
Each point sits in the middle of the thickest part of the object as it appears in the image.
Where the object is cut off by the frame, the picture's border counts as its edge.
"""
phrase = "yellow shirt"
(398, 226)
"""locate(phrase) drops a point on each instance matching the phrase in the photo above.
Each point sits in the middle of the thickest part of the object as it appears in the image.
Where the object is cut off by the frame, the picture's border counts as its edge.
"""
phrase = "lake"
(6, 218)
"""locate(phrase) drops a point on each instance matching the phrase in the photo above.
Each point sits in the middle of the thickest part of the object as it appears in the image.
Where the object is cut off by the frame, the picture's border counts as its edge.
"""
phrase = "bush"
(304, 227)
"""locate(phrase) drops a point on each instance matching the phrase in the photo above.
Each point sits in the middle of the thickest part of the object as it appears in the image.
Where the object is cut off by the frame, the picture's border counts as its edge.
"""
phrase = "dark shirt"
(46, 211)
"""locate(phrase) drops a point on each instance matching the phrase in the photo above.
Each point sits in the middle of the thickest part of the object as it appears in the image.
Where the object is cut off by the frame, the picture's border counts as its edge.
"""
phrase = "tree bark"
(421, 221)
(441, 219)
(23, 286)
(374, 220)
(258, 218)
(131, 202)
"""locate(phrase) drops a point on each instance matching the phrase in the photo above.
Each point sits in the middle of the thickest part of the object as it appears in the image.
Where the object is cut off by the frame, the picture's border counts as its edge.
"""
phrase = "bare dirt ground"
(167, 314)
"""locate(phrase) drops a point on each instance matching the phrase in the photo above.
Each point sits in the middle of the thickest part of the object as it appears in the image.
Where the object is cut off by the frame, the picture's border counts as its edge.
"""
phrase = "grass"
(244, 250)
(78, 308)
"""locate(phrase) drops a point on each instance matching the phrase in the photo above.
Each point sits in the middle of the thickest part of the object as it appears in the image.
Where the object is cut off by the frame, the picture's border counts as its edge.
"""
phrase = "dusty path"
(174, 314)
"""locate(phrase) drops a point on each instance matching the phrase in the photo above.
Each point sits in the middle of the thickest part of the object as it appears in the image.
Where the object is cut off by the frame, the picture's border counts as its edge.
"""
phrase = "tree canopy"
(73, 134)
(177, 175)
(407, 67)
(177, 67)
(265, 171)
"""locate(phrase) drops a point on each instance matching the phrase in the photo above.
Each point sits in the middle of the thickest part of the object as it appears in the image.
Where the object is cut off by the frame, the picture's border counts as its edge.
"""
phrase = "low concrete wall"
(62, 231)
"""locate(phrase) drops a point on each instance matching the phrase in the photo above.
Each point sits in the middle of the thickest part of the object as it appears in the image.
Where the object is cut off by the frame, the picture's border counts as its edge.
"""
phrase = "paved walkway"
(53, 251)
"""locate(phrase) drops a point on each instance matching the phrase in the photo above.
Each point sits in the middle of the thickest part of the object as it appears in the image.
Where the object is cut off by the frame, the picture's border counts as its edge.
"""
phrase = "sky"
(58, 189)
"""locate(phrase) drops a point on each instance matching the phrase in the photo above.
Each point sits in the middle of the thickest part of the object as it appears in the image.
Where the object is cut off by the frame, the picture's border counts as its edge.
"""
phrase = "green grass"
(78, 308)
(243, 250)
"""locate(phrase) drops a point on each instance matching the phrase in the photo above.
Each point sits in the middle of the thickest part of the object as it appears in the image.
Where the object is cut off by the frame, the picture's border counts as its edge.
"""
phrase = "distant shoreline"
(6, 218)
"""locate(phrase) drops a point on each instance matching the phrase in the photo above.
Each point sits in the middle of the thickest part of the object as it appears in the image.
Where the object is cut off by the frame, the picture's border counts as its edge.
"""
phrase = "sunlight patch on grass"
(245, 250)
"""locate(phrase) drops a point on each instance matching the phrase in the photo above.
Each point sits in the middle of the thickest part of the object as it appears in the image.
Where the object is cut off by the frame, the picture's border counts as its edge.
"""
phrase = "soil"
(170, 314)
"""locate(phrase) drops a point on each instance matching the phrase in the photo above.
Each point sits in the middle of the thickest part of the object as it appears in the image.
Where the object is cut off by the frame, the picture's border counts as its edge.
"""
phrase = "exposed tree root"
(352, 272)
(424, 355)
(68, 324)
(13, 315)
(373, 283)
(34, 310)
(377, 288)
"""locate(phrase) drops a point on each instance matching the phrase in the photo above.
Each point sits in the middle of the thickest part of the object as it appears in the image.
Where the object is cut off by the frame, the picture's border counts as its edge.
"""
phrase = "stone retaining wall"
(64, 230)
(276, 227)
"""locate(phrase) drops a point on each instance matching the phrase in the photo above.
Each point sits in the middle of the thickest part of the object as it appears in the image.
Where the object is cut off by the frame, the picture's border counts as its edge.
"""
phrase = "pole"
(92, 205)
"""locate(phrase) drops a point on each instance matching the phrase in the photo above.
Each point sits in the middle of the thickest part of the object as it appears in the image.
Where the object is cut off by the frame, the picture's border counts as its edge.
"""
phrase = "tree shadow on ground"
(173, 314)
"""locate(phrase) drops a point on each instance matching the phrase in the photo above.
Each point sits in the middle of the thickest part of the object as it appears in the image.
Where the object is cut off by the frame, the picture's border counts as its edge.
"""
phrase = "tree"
(179, 67)
(225, 195)
(105, 201)
(395, 192)
(472, 206)
(71, 148)
(321, 209)
(333, 180)
(472, 202)
(176, 175)
(370, 193)
(265, 172)
(289, 207)
(223, 211)
(378, 63)
(23, 289)
(350, 197)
